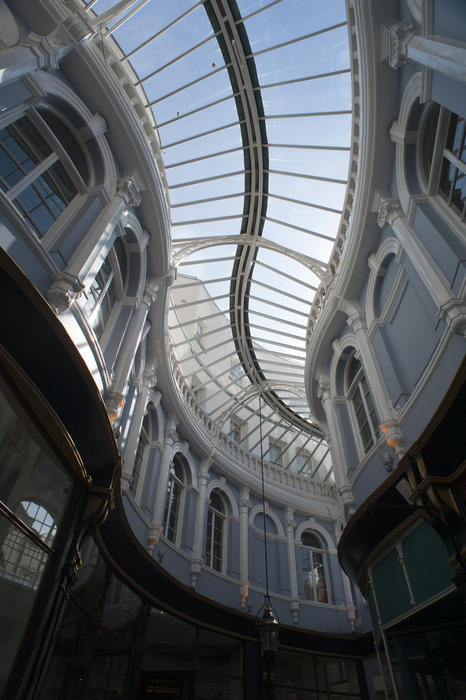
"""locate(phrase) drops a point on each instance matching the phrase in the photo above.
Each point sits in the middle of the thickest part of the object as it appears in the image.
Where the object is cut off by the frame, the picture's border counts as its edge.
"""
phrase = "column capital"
(170, 430)
(399, 36)
(149, 376)
(289, 518)
(454, 314)
(356, 320)
(206, 463)
(323, 389)
(389, 209)
(150, 292)
(71, 31)
(63, 291)
(128, 191)
(346, 494)
(244, 498)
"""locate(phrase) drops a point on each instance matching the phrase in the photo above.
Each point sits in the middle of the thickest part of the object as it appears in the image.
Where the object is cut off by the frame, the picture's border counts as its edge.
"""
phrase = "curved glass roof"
(252, 105)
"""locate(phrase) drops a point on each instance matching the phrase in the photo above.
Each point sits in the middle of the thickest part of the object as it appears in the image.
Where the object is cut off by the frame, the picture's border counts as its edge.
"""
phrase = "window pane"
(22, 564)
(28, 471)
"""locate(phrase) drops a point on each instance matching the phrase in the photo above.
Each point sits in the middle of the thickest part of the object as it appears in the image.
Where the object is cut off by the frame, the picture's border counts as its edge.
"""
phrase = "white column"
(389, 425)
(156, 526)
(148, 381)
(42, 52)
(196, 560)
(244, 542)
(290, 528)
(451, 309)
(437, 55)
(92, 251)
(115, 396)
(335, 444)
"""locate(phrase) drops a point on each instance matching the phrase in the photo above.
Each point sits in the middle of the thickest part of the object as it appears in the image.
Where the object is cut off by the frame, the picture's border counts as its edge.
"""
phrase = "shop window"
(42, 168)
(173, 503)
(315, 583)
(215, 535)
(444, 156)
(361, 404)
(34, 495)
(107, 287)
(140, 455)
(22, 560)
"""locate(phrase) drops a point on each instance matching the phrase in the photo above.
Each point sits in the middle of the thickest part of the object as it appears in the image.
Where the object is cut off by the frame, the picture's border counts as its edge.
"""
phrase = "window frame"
(431, 166)
(275, 444)
(222, 516)
(174, 481)
(370, 411)
(32, 178)
(140, 457)
(96, 318)
(312, 551)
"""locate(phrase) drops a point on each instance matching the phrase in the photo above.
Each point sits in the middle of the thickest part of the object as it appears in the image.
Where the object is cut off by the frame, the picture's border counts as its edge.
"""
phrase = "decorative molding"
(128, 190)
(399, 36)
(394, 436)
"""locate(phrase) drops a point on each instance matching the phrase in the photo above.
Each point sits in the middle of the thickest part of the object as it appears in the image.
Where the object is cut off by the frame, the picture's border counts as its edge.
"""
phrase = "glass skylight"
(252, 102)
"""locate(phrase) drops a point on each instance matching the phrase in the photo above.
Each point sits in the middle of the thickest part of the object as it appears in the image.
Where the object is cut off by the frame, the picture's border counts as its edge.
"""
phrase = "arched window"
(42, 167)
(140, 454)
(215, 535)
(444, 157)
(173, 503)
(315, 584)
(107, 287)
(359, 396)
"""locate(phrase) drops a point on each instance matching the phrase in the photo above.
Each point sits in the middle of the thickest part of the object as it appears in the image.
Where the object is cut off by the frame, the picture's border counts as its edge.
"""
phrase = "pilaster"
(244, 505)
(156, 526)
(196, 561)
(450, 308)
(87, 259)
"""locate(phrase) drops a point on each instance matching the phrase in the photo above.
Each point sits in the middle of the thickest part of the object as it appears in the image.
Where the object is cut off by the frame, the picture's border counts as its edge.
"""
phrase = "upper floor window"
(444, 156)
(42, 168)
(276, 449)
(140, 454)
(199, 391)
(315, 583)
(302, 461)
(109, 285)
(173, 505)
(215, 535)
(235, 429)
(360, 398)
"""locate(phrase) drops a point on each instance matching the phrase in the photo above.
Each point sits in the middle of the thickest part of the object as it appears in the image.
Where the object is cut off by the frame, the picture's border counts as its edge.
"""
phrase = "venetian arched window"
(42, 167)
(107, 287)
(141, 449)
(444, 157)
(173, 504)
(216, 532)
(315, 582)
(361, 404)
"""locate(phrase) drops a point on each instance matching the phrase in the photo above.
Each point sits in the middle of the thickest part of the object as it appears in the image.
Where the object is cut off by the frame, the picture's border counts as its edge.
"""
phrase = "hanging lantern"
(268, 626)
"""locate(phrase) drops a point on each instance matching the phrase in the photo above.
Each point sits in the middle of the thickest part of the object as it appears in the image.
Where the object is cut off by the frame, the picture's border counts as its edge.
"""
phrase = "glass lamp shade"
(268, 627)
